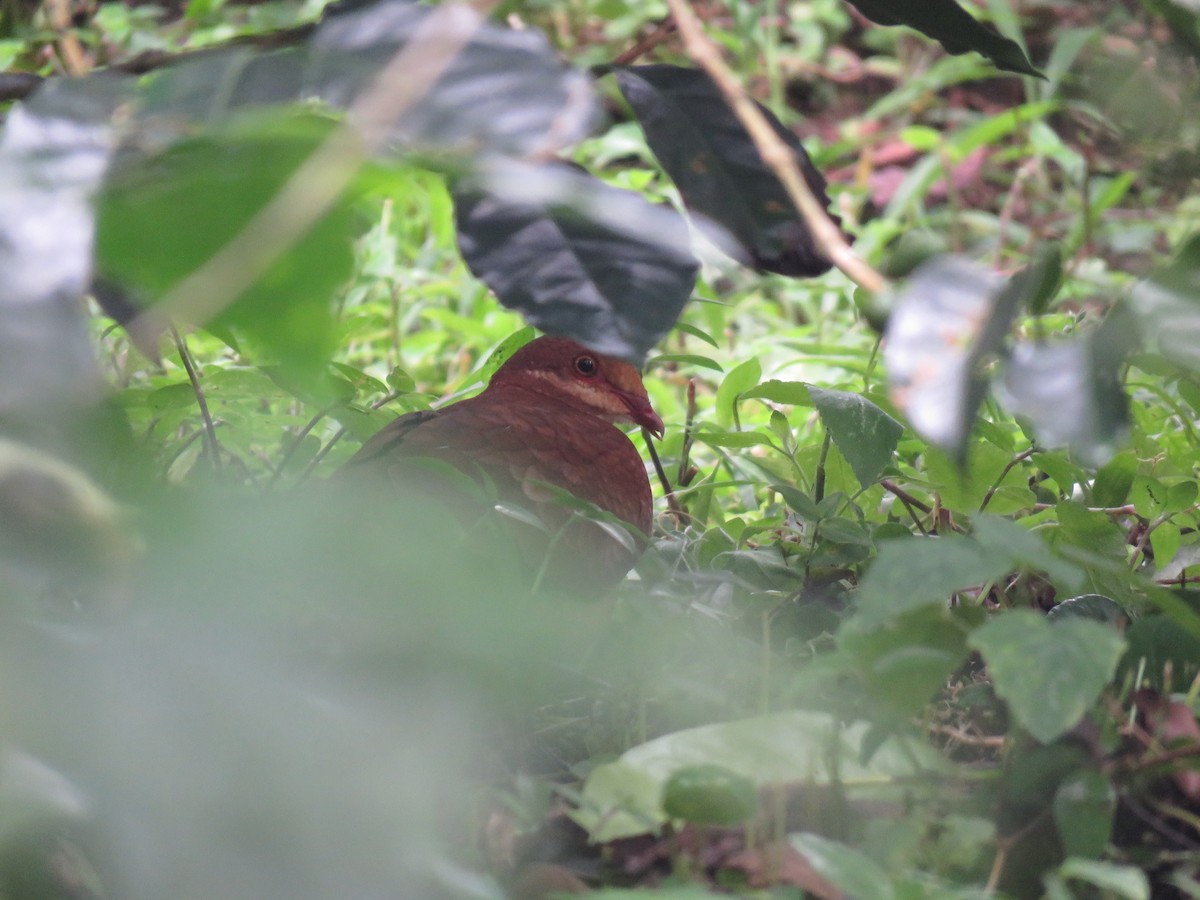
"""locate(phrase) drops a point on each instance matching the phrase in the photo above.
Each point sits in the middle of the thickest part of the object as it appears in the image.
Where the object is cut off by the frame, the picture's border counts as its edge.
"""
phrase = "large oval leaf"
(625, 797)
(577, 257)
(710, 157)
(1049, 674)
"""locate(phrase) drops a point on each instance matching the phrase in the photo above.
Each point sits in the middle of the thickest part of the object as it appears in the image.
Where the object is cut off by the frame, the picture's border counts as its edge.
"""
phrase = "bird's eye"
(586, 365)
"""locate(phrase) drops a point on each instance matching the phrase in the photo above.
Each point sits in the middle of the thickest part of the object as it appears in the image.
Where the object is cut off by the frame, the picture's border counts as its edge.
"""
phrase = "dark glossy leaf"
(708, 154)
(589, 261)
(505, 91)
(944, 324)
(1095, 607)
(1049, 674)
(1071, 391)
(866, 435)
(951, 26)
(53, 154)
(1167, 307)
(159, 221)
(1039, 281)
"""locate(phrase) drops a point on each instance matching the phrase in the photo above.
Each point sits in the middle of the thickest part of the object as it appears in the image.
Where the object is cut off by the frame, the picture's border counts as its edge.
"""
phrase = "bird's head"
(570, 372)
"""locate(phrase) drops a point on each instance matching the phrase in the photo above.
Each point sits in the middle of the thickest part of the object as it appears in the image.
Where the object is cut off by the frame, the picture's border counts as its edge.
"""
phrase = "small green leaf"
(855, 873)
(709, 795)
(924, 571)
(1129, 882)
(1165, 541)
(793, 393)
(697, 332)
(866, 435)
(686, 359)
(732, 439)
(739, 380)
(1113, 481)
(1048, 674)
(1084, 805)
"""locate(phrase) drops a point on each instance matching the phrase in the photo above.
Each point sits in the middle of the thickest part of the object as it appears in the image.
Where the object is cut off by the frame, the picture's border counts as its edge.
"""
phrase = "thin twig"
(664, 30)
(1012, 463)
(685, 470)
(668, 491)
(295, 444)
(211, 444)
(819, 478)
(774, 152)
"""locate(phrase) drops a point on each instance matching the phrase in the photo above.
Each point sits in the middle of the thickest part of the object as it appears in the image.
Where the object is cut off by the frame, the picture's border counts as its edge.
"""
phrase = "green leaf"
(687, 328)
(739, 380)
(924, 571)
(1094, 607)
(709, 795)
(159, 221)
(1084, 805)
(1113, 481)
(1049, 674)
(866, 435)
(1025, 549)
(1129, 882)
(732, 439)
(625, 797)
(687, 359)
(793, 393)
(1165, 541)
(905, 663)
(851, 870)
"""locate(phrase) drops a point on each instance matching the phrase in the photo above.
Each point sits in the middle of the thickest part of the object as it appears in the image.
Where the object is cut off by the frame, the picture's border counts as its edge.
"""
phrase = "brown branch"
(774, 152)
(662, 31)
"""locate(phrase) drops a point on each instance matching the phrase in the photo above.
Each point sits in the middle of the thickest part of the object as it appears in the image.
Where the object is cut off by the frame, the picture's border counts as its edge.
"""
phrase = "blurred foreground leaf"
(624, 797)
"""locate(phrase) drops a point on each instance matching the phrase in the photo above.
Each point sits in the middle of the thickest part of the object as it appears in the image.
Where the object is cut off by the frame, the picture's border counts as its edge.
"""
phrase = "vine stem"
(777, 155)
(211, 444)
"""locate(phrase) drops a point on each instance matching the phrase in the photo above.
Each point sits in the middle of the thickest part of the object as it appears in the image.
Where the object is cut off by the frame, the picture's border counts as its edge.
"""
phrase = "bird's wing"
(518, 439)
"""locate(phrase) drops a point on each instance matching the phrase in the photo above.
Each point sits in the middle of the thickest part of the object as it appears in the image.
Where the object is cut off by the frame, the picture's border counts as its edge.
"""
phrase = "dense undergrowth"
(920, 636)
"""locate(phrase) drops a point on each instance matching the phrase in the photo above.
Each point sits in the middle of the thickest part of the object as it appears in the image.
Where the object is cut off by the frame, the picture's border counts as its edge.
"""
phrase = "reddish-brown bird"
(546, 418)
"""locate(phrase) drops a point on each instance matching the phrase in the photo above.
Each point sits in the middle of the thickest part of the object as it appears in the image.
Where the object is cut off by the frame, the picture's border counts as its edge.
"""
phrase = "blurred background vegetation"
(855, 662)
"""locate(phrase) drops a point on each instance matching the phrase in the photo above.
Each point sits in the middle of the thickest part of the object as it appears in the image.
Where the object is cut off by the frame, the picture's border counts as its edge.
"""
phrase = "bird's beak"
(642, 413)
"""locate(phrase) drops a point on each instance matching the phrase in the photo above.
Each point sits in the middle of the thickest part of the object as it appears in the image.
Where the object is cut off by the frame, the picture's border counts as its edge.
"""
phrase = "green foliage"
(922, 615)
